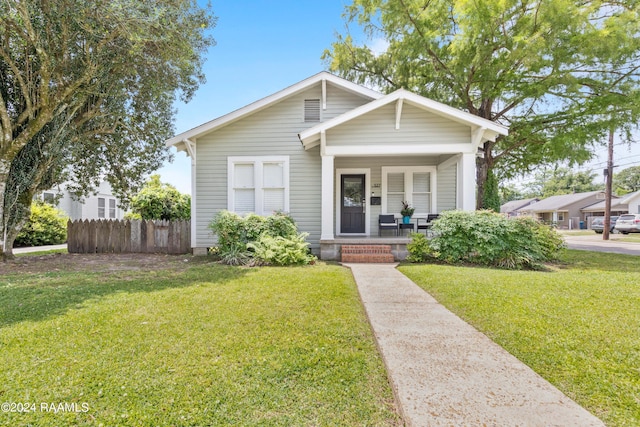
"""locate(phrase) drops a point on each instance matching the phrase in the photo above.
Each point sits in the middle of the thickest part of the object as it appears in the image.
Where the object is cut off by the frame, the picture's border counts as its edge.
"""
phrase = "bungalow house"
(565, 211)
(335, 155)
(511, 208)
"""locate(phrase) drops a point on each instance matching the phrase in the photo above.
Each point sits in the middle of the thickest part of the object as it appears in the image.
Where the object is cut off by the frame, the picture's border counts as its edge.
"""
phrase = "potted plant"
(406, 212)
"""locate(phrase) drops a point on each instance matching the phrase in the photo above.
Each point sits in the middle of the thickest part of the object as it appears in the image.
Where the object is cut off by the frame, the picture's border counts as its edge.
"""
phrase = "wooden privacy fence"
(124, 236)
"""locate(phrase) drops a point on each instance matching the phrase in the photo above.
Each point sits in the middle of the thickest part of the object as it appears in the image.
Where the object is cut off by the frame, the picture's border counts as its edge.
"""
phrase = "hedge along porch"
(300, 149)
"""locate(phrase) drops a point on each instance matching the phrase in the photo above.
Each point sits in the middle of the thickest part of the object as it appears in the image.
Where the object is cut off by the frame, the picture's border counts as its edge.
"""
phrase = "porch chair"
(427, 224)
(387, 222)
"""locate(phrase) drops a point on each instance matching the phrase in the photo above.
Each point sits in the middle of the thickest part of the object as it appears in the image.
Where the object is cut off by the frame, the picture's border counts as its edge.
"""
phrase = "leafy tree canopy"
(562, 180)
(627, 180)
(86, 92)
(157, 200)
(559, 73)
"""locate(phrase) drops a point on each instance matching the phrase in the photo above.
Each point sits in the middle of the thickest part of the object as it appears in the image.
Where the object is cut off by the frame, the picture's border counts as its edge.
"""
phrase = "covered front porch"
(399, 148)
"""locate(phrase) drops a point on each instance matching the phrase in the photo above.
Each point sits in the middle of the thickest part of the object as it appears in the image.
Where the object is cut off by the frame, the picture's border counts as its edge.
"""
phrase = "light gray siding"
(269, 132)
(447, 184)
(416, 127)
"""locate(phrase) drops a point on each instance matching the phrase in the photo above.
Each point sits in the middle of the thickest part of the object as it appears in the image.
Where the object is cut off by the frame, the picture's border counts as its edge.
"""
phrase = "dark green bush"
(46, 226)
(488, 238)
(258, 240)
(157, 200)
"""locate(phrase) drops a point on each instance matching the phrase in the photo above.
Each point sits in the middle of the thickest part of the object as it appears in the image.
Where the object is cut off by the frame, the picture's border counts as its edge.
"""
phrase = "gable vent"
(311, 110)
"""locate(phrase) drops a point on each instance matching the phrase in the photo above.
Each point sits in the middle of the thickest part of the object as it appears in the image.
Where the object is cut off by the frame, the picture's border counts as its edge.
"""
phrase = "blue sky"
(263, 46)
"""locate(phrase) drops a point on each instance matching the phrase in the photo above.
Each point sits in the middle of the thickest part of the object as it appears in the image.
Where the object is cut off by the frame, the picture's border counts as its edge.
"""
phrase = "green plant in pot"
(406, 212)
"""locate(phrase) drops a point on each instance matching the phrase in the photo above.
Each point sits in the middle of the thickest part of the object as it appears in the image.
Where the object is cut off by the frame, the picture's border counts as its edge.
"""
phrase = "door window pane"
(352, 191)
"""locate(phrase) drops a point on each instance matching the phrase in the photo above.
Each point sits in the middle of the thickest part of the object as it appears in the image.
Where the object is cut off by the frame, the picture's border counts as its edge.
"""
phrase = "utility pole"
(607, 189)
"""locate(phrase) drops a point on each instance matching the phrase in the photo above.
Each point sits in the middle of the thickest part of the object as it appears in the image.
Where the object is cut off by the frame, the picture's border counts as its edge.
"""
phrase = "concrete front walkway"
(446, 373)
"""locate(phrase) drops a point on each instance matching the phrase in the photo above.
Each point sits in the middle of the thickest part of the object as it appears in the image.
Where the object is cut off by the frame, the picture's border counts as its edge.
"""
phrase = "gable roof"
(555, 203)
(617, 203)
(514, 205)
(210, 126)
(490, 130)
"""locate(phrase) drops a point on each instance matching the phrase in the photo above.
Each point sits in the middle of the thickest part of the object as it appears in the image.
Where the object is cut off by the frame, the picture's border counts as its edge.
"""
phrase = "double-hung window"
(112, 208)
(101, 207)
(415, 184)
(258, 184)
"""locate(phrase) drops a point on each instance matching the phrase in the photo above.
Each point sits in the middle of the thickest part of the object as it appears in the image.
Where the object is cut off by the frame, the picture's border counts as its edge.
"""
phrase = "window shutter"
(311, 110)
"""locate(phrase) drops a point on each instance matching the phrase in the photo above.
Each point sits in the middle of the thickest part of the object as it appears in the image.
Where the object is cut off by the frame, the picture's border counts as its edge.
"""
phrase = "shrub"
(419, 249)
(46, 226)
(488, 238)
(157, 200)
(278, 250)
(258, 240)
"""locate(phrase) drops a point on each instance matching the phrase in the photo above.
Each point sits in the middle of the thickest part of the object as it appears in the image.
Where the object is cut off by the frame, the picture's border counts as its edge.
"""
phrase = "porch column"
(467, 182)
(327, 198)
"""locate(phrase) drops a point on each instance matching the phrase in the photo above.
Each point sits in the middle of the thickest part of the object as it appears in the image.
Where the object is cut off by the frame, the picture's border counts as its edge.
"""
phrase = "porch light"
(480, 153)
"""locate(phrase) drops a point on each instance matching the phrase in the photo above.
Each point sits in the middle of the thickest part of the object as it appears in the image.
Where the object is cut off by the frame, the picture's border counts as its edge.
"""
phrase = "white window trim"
(258, 162)
(408, 186)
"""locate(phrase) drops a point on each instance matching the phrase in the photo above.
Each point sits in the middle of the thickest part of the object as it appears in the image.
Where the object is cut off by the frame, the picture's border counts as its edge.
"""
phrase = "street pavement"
(594, 242)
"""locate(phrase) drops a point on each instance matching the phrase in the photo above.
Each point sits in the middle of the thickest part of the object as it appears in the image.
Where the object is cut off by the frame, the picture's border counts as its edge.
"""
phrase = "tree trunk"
(484, 164)
(6, 250)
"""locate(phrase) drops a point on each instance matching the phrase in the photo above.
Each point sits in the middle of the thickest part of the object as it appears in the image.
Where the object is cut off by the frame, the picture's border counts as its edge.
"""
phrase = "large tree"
(627, 180)
(559, 73)
(561, 180)
(87, 92)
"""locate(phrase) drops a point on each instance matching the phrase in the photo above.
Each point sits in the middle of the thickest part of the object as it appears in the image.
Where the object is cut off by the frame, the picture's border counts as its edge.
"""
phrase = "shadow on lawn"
(37, 297)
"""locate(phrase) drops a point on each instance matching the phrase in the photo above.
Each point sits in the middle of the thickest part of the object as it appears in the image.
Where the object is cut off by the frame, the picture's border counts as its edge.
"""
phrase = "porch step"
(367, 253)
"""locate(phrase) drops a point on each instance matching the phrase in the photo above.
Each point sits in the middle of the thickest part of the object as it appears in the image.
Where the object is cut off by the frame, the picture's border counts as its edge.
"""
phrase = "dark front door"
(352, 209)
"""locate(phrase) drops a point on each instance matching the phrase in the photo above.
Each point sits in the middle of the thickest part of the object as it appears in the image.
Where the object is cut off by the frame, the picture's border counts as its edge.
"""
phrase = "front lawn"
(184, 343)
(578, 326)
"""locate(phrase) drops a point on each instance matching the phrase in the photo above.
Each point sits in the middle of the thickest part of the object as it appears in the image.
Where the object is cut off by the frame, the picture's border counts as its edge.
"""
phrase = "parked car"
(628, 223)
(597, 224)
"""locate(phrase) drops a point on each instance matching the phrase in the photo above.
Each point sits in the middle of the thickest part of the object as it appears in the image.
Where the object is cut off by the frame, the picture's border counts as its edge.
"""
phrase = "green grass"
(578, 326)
(206, 345)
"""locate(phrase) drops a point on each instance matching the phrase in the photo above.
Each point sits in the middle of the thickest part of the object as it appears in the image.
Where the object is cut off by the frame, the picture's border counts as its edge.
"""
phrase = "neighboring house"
(628, 203)
(565, 211)
(511, 208)
(102, 205)
(334, 155)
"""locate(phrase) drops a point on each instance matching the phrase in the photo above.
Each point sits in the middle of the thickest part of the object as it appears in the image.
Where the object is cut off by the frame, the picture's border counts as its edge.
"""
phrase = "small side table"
(402, 226)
